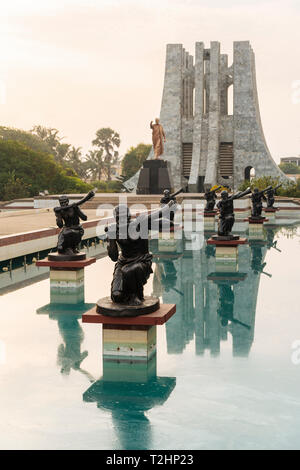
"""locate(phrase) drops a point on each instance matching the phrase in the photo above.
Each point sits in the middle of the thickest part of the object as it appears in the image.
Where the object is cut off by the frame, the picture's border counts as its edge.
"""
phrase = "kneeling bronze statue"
(68, 218)
(227, 218)
(128, 246)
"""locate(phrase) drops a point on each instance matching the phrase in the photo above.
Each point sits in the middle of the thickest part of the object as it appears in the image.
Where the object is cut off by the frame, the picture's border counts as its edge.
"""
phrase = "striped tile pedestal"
(130, 340)
(226, 253)
(167, 245)
(256, 230)
(209, 221)
(271, 214)
(66, 280)
(136, 342)
(66, 286)
(226, 258)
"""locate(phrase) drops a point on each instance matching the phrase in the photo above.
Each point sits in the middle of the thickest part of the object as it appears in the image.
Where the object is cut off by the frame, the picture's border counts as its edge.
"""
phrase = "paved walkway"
(21, 222)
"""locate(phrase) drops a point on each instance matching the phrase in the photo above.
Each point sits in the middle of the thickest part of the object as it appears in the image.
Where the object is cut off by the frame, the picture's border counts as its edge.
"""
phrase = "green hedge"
(288, 189)
(25, 172)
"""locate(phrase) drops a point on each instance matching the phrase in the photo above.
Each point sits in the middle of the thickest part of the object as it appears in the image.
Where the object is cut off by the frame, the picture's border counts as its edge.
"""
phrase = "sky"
(79, 65)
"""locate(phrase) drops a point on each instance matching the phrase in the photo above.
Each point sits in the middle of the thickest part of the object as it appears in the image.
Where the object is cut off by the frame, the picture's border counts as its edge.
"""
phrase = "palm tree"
(74, 158)
(61, 153)
(95, 164)
(108, 141)
(51, 137)
(47, 134)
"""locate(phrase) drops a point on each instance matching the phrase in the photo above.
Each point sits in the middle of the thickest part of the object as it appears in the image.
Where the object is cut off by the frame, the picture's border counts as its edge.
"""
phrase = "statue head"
(166, 192)
(256, 190)
(224, 194)
(156, 120)
(63, 200)
(122, 214)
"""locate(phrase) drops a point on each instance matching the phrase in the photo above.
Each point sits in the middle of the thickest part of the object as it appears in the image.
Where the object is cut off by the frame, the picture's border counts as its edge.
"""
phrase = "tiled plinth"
(270, 213)
(130, 338)
(209, 221)
(256, 231)
(128, 342)
(66, 264)
(167, 245)
(226, 258)
(66, 280)
(160, 317)
(67, 286)
(226, 253)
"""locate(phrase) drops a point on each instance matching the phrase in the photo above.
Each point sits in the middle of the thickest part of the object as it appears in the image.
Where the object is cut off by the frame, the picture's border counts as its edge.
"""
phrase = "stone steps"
(226, 159)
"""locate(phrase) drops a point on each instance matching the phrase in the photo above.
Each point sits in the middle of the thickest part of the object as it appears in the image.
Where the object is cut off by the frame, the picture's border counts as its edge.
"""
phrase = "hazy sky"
(78, 65)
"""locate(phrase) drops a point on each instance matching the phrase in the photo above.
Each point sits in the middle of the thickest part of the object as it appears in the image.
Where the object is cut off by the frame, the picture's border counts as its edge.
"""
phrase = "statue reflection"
(211, 310)
(128, 390)
(257, 263)
(69, 355)
(68, 317)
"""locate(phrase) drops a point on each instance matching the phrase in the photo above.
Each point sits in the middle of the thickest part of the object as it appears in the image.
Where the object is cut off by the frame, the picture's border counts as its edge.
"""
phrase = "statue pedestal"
(130, 338)
(155, 177)
(270, 212)
(167, 245)
(226, 252)
(209, 220)
(256, 224)
(66, 280)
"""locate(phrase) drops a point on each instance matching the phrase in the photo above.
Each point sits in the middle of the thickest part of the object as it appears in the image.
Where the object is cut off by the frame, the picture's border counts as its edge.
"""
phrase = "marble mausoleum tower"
(205, 144)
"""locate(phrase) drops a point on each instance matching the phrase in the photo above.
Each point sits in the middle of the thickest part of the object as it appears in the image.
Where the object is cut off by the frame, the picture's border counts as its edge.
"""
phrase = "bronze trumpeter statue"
(227, 218)
(271, 193)
(68, 217)
(211, 197)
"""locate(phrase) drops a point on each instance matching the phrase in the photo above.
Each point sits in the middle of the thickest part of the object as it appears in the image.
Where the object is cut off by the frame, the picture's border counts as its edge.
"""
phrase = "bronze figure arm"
(81, 214)
(112, 250)
(59, 220)
(89, 196)
(161, 212)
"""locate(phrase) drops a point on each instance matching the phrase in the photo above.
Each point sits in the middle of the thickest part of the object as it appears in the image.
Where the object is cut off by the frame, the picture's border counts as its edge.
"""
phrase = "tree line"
(71, 171)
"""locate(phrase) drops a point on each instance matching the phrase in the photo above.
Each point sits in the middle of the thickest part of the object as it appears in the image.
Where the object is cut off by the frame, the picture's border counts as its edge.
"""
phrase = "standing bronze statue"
(227, 218)
(211, 197)
(68, 218)
(158, 138)
(128, 246)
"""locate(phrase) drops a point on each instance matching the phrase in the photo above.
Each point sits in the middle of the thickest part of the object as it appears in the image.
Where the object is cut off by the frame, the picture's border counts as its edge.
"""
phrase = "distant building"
(295, 160)
(294, 177)
(116, 170)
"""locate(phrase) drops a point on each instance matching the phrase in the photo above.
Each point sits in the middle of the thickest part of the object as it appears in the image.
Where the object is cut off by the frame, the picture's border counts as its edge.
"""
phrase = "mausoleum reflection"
(128, 389)
(211, 305)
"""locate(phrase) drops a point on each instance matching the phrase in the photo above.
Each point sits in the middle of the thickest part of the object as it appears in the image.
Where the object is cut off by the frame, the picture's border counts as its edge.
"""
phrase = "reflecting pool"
(226, 374)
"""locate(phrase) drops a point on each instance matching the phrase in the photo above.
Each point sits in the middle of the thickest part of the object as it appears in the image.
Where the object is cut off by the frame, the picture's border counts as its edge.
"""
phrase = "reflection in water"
(19, 272)
(128, 390)
(68, 317)
(69, 355)
(210, 306)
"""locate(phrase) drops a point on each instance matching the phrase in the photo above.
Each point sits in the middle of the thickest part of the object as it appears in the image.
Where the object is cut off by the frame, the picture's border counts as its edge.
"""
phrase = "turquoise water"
(224, 377)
